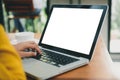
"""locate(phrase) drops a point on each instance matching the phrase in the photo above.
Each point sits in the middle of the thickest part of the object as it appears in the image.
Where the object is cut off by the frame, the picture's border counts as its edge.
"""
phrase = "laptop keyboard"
(54, 58)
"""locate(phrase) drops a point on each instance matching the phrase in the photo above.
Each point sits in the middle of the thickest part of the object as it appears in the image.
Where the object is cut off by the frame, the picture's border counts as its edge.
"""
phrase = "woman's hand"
(21, 47)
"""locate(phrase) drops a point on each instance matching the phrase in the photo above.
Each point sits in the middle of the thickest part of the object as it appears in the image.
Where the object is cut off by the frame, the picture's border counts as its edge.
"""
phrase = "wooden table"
(100, 68)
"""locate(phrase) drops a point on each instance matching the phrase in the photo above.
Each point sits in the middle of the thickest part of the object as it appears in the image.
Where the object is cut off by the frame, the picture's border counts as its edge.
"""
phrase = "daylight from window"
(115, 27)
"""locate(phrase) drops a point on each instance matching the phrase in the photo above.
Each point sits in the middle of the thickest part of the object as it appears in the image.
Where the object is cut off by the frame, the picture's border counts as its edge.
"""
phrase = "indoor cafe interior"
(20, 16)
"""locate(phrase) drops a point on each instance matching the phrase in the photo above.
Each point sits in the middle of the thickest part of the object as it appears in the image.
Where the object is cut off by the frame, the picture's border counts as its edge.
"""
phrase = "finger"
(33, 45)
(37, 48)
(26, 45)
(27, 54)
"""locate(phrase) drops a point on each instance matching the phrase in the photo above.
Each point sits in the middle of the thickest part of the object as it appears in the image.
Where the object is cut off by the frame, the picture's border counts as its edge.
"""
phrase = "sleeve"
(10, 62)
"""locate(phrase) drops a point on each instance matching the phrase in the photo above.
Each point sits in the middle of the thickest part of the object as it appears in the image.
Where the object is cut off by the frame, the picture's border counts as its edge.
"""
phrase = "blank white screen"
(72, 29)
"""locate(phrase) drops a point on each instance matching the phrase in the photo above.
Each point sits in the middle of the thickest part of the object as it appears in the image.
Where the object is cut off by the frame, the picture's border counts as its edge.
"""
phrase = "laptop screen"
(73, 29)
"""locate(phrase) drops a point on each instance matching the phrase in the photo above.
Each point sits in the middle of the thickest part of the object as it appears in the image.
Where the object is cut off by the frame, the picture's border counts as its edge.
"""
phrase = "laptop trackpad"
(39, 69)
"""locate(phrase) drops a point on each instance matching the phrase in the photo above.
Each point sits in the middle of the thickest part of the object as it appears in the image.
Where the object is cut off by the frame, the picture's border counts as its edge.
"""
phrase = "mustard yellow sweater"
(10, 62)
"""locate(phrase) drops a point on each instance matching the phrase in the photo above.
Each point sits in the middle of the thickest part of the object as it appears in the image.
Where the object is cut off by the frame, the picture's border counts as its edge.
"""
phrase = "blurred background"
(34, 20)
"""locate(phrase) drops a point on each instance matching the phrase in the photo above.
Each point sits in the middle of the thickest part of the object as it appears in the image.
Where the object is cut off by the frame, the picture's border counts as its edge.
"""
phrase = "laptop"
(68, 40)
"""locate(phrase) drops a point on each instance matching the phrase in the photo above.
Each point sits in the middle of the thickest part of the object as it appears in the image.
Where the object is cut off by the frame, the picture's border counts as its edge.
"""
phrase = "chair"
(20, 9)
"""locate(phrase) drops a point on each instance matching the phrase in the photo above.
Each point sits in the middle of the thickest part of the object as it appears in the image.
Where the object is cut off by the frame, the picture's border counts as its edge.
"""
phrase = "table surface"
(100, 67)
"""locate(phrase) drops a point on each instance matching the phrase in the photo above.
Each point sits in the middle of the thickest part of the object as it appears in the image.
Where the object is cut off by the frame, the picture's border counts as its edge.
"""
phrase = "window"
(114, 45)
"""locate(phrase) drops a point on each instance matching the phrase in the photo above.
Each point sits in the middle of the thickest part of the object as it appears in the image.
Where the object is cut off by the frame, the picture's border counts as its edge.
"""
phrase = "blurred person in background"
(37, 6)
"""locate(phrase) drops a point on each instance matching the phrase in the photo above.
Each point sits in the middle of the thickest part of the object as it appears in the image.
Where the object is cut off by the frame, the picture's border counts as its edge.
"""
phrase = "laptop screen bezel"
(104, 7)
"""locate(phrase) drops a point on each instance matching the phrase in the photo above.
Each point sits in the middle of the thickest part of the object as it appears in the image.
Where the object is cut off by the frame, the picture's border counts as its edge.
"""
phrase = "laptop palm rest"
(43, 70)
(39, 69)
